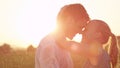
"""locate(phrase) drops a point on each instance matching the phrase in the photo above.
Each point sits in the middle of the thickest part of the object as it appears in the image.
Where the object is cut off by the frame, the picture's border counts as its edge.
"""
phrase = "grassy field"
(24, 59)
(17, 60)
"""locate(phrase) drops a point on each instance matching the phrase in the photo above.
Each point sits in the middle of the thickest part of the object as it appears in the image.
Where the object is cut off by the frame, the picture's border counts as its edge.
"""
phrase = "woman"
(95, 35)
(98, 32)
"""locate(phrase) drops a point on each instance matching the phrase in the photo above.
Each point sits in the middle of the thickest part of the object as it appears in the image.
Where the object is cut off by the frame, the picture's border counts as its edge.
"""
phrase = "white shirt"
(50, 55)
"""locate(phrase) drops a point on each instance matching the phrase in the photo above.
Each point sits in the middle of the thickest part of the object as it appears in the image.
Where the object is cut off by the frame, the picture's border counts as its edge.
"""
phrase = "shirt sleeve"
(46, 57)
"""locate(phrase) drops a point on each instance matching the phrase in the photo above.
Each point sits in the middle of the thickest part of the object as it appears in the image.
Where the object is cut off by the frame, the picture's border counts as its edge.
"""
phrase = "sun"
(32, 33)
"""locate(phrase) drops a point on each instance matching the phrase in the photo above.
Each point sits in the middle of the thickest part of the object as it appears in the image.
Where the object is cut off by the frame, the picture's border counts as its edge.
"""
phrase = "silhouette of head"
(99, 31)
(72, 18)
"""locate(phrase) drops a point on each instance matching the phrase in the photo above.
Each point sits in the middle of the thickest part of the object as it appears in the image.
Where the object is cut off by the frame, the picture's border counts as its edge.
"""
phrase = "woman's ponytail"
(113, 51)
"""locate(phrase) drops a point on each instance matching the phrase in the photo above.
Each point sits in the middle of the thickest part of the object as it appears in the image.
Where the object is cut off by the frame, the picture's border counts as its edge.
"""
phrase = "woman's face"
(90, 33)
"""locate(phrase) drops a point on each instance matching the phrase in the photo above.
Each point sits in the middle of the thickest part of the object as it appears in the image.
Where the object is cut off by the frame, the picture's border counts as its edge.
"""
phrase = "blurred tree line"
(7, 49)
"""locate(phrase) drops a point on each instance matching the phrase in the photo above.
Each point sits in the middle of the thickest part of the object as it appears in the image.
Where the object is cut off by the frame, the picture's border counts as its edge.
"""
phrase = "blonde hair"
(113, 51)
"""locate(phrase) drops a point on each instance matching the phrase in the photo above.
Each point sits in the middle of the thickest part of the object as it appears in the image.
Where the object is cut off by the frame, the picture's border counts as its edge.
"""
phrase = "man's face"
(71, 30)
(73, 27)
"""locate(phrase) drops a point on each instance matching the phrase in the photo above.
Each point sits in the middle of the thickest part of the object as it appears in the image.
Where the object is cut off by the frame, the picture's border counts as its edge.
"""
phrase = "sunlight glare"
(32, 33)
(77, 38)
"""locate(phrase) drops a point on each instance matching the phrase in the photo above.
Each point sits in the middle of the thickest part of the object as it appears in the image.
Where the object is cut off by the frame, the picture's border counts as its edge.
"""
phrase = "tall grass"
(17, 60)
(26, 60)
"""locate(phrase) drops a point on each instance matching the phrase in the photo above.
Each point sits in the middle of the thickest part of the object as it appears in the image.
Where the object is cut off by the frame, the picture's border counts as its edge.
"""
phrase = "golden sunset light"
(26, 22)
(59, 33)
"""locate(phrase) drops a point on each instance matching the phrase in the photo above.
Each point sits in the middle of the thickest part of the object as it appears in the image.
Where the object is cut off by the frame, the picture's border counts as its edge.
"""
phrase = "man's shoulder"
(47, 41)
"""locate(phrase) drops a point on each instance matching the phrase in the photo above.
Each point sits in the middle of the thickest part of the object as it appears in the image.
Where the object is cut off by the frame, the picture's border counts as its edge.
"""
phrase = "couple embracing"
(54, 50)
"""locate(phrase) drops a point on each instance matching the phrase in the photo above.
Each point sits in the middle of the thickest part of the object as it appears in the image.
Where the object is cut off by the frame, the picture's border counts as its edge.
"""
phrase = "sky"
(25, 22)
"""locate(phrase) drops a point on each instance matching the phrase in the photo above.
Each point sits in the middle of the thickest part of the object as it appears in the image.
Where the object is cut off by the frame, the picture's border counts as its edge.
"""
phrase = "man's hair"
(76, 11)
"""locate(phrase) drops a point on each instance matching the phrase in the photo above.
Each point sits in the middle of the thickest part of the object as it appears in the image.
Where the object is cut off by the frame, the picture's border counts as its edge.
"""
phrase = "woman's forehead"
(92, 27)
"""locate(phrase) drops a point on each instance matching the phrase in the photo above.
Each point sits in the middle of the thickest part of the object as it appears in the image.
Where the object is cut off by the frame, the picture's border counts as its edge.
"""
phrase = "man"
(70, 20)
